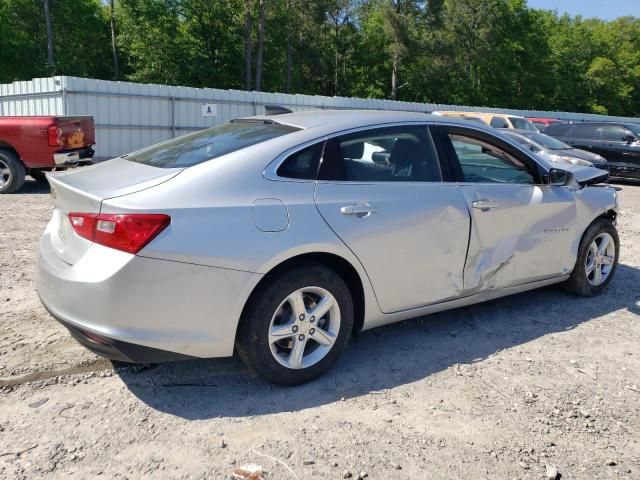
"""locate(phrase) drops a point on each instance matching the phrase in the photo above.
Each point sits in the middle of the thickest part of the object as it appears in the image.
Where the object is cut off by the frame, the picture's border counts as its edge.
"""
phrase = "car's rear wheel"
(297, 325)
(597, 259)
(11, 172)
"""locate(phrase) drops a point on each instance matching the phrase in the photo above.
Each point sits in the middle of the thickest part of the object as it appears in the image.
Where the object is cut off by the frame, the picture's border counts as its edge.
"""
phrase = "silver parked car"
(280, 236)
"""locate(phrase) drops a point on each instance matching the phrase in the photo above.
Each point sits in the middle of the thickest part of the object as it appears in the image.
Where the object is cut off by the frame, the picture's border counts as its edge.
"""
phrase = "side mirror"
(534, 149)
(559, 178)
(629, 139)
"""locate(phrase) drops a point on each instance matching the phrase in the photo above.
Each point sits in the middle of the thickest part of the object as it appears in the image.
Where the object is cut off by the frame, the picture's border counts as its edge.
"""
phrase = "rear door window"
(392, 154)
(204, 145)
(585, 131)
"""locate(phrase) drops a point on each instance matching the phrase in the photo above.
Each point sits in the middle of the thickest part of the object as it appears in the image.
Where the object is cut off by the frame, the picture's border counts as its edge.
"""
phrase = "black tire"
(38, 175)
(252, 340)
(578, 283)
(14, 179)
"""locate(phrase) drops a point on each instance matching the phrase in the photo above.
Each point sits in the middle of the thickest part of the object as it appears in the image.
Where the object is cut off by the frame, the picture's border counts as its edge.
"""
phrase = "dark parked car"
(619, 143)
(556, 151)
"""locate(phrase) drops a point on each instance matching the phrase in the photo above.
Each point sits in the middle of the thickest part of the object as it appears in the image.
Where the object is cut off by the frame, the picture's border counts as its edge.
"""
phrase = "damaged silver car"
(278, 237)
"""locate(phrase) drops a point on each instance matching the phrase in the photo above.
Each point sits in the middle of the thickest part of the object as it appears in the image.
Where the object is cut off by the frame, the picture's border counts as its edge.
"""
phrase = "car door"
(622, 154)
(381, 191)
(522, 231)
(585, 136)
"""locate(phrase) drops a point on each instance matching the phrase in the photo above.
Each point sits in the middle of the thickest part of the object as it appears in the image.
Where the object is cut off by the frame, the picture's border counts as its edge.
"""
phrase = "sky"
(604, 9)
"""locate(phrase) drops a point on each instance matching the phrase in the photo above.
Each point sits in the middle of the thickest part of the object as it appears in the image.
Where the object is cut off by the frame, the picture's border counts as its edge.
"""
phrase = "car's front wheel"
(597, 259)
(297, 325)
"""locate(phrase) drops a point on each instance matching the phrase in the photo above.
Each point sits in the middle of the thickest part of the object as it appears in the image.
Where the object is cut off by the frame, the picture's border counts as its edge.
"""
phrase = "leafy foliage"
(477, 52)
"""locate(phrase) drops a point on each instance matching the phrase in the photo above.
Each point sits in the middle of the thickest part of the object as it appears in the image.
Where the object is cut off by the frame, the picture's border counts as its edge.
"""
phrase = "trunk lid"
(83, 190)
(76, 132)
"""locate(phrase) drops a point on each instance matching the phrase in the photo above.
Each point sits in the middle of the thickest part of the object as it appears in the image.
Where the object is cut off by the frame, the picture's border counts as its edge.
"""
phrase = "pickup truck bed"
(33, 145)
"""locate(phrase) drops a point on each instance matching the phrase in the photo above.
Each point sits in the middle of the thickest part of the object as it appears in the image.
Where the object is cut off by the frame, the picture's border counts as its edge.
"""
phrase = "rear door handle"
(485, 204)
(359, 210)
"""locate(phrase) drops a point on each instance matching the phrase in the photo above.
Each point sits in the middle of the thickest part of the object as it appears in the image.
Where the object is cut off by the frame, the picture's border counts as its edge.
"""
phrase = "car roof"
(345, 119)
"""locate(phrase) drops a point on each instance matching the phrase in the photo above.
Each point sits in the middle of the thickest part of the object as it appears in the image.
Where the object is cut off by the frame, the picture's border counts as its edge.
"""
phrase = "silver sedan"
(278, 237)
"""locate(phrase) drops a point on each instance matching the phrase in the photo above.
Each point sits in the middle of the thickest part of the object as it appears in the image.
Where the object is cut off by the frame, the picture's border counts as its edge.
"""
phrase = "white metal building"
(130, 116)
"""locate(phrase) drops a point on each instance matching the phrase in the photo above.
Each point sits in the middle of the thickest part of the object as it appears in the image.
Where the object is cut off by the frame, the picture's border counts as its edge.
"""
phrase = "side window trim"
(270, 171)
(451, 170)
(534, 166)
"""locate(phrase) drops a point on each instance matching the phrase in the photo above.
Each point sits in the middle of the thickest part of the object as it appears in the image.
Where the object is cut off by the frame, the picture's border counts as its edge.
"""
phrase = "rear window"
(199, 147)
(499, 122)
(557, 129)
(522, 124)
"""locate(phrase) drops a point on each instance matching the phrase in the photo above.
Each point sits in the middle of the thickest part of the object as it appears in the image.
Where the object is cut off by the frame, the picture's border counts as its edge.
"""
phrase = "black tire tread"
(18, 171)
(38, 175)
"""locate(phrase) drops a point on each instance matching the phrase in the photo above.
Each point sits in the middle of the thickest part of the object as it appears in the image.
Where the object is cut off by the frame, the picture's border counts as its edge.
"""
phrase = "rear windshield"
(522, 124)
(207, 144)
(557, 129)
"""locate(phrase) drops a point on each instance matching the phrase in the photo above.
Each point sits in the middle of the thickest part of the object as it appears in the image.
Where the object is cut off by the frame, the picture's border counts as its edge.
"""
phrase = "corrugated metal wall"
(130, 116)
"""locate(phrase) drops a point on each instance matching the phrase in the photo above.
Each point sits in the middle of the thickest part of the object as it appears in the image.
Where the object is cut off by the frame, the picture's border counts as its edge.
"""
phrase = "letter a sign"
(209, 109)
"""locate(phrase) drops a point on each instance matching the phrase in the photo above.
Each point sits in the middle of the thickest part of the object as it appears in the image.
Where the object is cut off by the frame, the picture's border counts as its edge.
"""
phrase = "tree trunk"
(260, 46)
(114, 48)
(287, 87)
(248, 44)
(394, 77)
(47, 18)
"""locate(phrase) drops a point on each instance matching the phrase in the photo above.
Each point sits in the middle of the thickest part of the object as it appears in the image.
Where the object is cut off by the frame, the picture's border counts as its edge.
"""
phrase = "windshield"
(204, 145)
(549, 142)
(522, 124)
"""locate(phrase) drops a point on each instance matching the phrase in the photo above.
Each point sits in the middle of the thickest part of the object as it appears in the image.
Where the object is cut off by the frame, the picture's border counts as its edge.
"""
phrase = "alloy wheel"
(304, 327)
(5, 173)
(600, 259)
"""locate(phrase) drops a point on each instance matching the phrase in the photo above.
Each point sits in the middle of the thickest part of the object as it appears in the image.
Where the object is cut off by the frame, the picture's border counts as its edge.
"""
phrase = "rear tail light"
(128, 232)
(55, 136)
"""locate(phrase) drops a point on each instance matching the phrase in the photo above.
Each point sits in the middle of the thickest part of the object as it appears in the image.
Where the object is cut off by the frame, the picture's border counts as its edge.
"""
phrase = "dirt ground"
(507, 389)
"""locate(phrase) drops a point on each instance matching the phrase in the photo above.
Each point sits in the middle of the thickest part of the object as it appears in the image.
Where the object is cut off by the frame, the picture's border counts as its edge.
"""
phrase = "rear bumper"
(73, 157)
(119, 350)
(143, 309)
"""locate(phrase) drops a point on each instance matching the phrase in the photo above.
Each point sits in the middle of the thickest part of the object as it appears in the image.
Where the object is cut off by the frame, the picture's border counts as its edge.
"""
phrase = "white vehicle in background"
(495, 120)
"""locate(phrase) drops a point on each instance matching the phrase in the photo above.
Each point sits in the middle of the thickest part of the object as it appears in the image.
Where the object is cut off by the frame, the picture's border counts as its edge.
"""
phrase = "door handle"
(485, 204)
(359, 210)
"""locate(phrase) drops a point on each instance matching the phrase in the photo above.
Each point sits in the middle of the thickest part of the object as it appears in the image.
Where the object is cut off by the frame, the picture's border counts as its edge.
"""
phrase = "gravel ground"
(509, 389)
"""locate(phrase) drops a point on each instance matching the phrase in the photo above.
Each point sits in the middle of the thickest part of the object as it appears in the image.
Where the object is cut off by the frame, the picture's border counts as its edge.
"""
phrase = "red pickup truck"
(34, 145)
